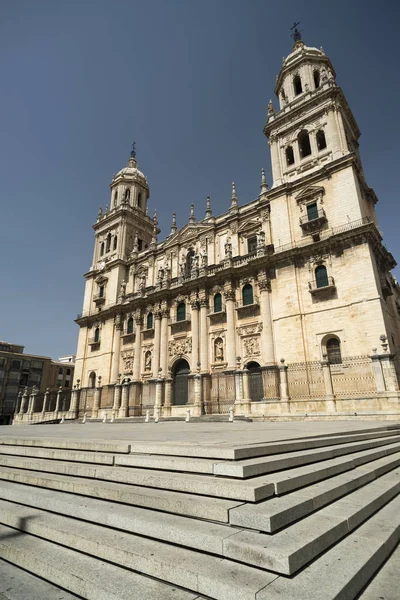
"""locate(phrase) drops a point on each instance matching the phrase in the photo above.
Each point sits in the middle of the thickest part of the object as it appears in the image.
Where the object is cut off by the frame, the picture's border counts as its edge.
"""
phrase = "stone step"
(250, 490)
(385, 584)
(294, 547)
(260, 466)
(80, 574)
(200, 572)
(207, 536)
(16, 584)
(278, 512)
(245, 490)
(101, 458)
(344, 570)
(69, 444)
(202, 507)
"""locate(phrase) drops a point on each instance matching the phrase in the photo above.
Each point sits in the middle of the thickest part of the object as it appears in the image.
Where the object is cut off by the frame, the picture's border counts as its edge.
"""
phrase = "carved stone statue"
(147, 361)
(219, 350)
(228, 248)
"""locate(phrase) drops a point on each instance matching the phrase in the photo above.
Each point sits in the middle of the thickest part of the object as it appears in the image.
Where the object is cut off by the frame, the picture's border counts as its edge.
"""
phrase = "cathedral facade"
(284, 305)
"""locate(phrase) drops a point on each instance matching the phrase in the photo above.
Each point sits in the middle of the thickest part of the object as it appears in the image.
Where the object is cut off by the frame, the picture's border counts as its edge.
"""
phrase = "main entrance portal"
(180, 382)
(256, 381)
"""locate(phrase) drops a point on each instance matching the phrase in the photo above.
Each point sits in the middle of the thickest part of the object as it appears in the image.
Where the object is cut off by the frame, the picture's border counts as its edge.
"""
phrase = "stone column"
(168, 398)
(24, 401)
(332, 134)
(195, 334)
(329, 395)
(158, 398)
(267, 337)
(73, 407)
(203, 335)
(276, 167)
(45, 400)
(246, 387)
(124, 409)
(32, 398)
(156, 352)
(117, 396)
(389, 372)
(138, 345)
(116, 350)
(230, 326)
(96, 399)
(197, 405)
(377, 369)
(164, 342)
(284, 387)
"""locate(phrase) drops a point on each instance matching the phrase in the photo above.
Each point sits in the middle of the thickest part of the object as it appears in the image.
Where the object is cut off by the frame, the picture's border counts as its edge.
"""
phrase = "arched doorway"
(180, 383)
(255, 381)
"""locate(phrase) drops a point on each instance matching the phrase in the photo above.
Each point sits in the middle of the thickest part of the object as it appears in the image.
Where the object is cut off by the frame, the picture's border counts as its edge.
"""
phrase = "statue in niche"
(142, 283)
(228, 248)
(219, 350)
(147, 361)
(204, 259)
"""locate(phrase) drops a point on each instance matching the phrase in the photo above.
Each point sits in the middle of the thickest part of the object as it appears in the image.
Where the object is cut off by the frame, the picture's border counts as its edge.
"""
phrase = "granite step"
(199, 572)
(275, 513)
(292, 548)
(245, 490)
(115, 446)
(385, 584)
(201, 507)
(342, 572)
(17, 584)
(101, 458)
(80, 574)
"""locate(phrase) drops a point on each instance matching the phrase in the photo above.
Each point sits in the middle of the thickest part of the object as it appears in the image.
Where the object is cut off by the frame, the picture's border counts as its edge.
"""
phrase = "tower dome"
(130, 185)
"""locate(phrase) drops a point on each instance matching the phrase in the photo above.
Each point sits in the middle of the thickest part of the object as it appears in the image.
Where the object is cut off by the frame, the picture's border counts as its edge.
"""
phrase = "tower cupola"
(130, 186)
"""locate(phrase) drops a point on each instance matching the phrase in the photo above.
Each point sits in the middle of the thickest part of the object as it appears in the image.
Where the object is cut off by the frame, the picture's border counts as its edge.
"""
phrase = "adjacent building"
(283, 305)
(20, 372)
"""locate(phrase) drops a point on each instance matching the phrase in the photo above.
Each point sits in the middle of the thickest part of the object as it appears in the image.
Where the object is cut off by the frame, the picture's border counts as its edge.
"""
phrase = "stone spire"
(132, 159)
(192, 218)
(155, 229)
(264, 185)
(208, 208)
(234, 201)
(173, 224)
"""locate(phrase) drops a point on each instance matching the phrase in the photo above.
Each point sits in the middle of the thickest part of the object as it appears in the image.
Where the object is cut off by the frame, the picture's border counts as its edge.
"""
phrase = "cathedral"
(285, 305)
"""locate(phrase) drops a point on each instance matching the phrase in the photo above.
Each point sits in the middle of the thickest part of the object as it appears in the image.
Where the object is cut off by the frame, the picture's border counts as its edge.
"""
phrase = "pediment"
(249, 225)
(191, 231)
(310, 192)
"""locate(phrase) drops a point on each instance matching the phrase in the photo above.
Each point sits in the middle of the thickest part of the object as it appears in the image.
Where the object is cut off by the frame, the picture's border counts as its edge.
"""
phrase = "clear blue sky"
(190, 81)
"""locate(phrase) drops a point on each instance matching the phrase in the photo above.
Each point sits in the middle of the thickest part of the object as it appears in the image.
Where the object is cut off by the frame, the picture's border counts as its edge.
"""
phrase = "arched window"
(181, 312)
(115, 198)
(289, 155)
(68, 372)
(247, 294)
(139, 200)
(304, 143)
(127, 195)
(321, 141)
(297, 85)
(97, 334)
(217, 303)
(101, 248)
(149, 321)
(115, 242)
(108, 243)
(317, 79)
(129, 326)
(333, 351)
(321, 276)
(92, 380)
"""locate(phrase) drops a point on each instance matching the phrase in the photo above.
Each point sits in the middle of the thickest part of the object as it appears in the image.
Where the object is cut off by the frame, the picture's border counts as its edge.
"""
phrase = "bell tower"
(314, 124)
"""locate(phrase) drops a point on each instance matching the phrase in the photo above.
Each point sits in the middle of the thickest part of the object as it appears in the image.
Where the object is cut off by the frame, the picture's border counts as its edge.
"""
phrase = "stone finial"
(208, 208)
(264, 185)
(234, 201)
(100, 213)
(155, 220)
(192, 218)
(173, 224)
(136, 243)
(270, 108)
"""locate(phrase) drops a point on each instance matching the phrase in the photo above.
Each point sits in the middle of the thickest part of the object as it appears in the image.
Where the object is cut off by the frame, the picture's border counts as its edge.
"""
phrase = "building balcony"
(250, 309)
(128, 338)
(241, 305)
(313, 288)
(181, 325)
(218, 316)
(94, 343)
(99, 299)
(315, 222)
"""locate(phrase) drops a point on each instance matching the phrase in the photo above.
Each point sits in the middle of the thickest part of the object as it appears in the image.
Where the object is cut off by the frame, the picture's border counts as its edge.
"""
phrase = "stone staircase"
(311, 518)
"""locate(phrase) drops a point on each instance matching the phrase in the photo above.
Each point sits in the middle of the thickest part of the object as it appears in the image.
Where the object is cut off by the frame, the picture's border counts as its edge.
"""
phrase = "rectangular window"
(37, 364)
(312, 211)
(252, 244)
(2, 361)
(16, 364)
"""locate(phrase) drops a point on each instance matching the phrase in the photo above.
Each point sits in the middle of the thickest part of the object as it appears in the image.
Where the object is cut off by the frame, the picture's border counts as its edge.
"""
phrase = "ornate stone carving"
(251, 346)
(250, 329)
(180, 347)
(127, 360)
(219, 350)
